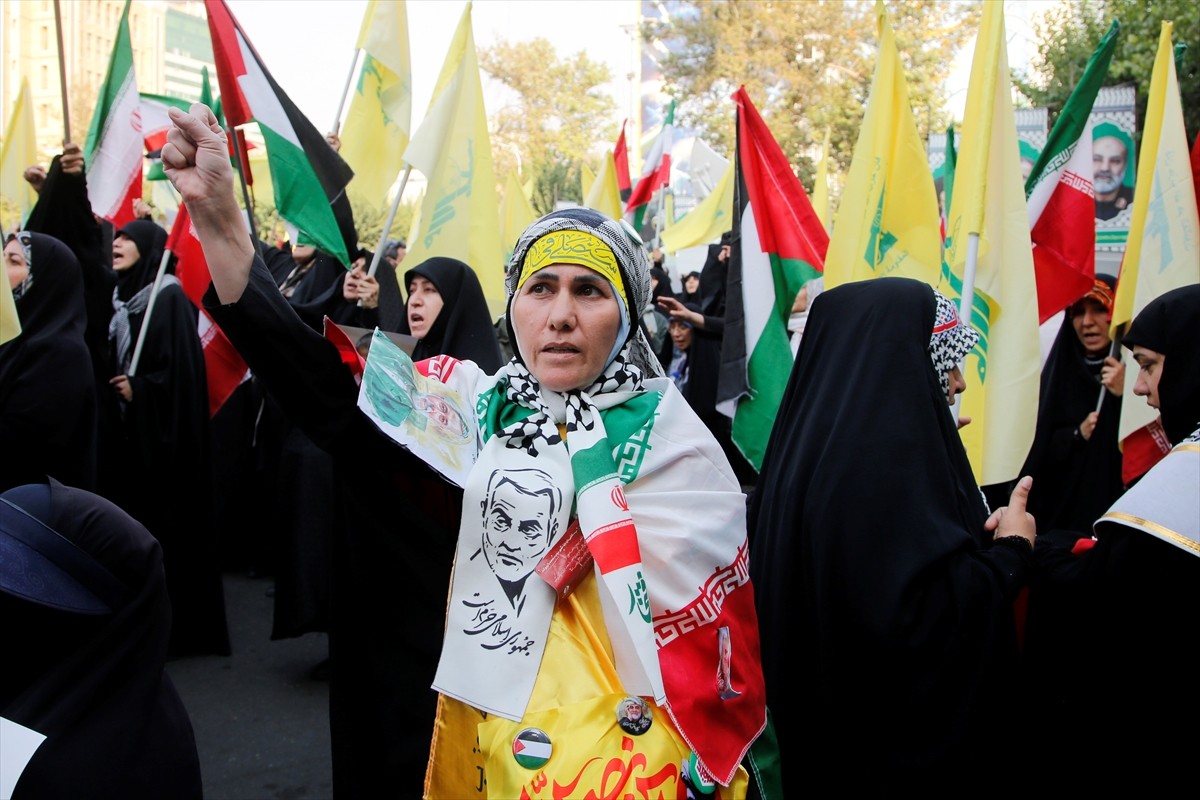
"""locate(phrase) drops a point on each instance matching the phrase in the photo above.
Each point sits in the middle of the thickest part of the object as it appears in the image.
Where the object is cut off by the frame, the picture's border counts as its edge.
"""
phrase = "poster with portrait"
(421, 413)
(1114, 169)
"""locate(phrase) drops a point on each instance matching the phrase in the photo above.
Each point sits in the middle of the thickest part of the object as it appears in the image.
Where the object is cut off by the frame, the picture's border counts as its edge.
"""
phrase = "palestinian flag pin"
(532, 748)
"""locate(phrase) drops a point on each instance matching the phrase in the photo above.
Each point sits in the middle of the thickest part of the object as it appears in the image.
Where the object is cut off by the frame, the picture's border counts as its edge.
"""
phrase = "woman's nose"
(562, 311)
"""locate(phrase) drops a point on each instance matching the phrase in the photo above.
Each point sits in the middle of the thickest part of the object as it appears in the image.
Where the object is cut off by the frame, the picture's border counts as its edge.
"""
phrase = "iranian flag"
(223, 366)
(1060, 197)
(308, 176)
(656, 169)
(779, 243)
(113, 150)
(621, 160)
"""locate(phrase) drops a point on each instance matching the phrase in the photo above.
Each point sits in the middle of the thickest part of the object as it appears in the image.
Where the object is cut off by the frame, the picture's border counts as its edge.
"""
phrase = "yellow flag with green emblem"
(887, 220)
(460, 214)
(1163, 250)
(989, 256)
(376, 129)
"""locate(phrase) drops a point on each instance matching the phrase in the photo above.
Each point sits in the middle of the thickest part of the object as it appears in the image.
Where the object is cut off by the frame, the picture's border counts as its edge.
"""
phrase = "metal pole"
(62, 74)
(337, 120)
(137, 350)
(387, 225)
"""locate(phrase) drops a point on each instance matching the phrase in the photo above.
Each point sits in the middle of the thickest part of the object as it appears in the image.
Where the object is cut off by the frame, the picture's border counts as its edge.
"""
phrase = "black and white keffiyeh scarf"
(118, 326)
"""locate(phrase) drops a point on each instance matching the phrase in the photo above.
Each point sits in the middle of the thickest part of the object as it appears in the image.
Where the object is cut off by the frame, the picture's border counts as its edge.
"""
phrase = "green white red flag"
(224, 367)
(779, 243)
(1060, 196)
(113, 149)
(656, 169)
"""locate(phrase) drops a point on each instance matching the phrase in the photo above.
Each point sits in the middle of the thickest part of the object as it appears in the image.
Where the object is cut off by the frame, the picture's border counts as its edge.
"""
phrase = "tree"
(807, 66)
(550, 122)
(1067, 34)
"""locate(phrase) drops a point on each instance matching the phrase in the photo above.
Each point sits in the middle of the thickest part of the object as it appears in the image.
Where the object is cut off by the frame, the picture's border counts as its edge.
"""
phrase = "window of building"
(45, 77)
(44, 37)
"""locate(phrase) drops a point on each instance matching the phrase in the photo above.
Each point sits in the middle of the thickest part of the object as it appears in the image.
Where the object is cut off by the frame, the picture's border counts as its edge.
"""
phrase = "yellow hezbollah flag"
(376, 129)
(19, 151)
(1002, 372)
(460, 215)
(1163, 249)
(887, 221)
(586, 179)
(605, 194)
(707, 221)
(516, 214)
(820, 192)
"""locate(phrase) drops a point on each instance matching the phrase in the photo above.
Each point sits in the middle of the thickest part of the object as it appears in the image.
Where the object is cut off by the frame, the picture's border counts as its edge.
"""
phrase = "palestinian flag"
(1061, 198)
(779, 243)
(113, 150)
(223, 366)
(308, 176)
(656, 169)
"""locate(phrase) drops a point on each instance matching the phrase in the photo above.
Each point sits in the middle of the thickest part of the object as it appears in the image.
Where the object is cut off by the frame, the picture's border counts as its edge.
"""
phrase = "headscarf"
(1170, 325)
(631, 261)
(950, 341)
(1071, 489)
(151, 240)
(87, 619)
(47, 386)
(23, 238)
(463, 328)
(864, 502)
(135, 285)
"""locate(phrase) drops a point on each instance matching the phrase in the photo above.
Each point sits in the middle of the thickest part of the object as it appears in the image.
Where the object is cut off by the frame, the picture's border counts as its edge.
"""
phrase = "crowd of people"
(613, 599)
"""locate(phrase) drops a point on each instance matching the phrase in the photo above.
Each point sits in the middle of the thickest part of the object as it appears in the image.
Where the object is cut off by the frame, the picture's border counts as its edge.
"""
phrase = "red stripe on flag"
(1064, 251)
(227, 56)
(787, 224)
(124, 213)
(621, 161)
(1142, 449)
(614, 546)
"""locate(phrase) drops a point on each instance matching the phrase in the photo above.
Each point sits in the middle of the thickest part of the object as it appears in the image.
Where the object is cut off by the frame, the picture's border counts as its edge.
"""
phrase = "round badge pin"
(699, 781)
(633, 715)
(532, 748)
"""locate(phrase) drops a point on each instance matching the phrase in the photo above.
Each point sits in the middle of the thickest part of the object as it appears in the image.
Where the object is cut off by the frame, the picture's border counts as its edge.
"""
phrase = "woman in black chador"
(47, 388)
(884, 590)
(86, 622)
(163, 460)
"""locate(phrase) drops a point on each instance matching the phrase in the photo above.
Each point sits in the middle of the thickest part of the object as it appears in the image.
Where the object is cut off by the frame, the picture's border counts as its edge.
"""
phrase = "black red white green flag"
(308, 175)
(779, 243)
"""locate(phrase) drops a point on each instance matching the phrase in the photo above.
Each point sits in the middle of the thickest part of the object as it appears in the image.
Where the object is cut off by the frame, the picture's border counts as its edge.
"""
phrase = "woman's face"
(1150, 368)
(424, 305)
(957, 383)
(125, 252)
(681, 334)
(15, 263)
(692, 284)
(566, 320)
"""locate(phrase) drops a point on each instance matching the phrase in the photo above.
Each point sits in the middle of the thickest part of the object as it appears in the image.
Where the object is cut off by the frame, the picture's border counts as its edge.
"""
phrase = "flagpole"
(968, 295)
(231, 135)
(62, 73)
(387, 225)
(1112, 352)
(337, 120)
(158, 278)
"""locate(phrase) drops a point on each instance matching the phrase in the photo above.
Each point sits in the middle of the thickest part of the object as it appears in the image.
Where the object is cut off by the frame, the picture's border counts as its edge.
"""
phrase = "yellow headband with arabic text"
(573, 247)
